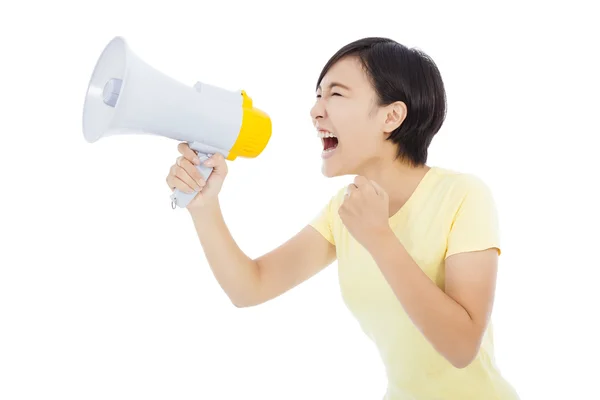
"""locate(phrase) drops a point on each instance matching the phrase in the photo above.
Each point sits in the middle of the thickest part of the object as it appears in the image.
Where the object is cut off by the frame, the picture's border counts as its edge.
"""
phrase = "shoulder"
(470, 213)
(336, 198)
(468, 198)
(462, 184)
(463, 195)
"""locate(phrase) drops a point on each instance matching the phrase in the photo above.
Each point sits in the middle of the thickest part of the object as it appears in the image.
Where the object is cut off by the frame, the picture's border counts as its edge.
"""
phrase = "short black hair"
(399, 73)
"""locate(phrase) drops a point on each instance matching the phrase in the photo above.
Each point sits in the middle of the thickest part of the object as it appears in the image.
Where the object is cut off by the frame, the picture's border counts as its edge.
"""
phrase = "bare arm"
(248, 282)
(453, 319)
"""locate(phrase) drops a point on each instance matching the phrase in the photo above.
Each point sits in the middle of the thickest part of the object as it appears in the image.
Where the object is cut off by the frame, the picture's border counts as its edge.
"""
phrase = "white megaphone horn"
(126, 95)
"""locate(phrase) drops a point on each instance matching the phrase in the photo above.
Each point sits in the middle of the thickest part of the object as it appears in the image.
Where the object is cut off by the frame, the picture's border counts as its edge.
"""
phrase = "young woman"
(416, 245)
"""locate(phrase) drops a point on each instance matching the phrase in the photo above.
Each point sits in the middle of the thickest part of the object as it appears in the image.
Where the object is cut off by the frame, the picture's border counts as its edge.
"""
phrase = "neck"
(397, 178)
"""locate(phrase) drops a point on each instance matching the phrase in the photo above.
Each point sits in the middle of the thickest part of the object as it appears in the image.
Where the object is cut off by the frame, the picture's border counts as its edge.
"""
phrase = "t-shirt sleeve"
(475, 225)
(322, 222)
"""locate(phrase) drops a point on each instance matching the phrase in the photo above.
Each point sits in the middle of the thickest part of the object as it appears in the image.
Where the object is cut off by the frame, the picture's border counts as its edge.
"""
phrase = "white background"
(104, 290)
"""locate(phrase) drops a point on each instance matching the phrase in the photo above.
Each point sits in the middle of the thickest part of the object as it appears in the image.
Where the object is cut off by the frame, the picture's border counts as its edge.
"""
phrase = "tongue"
(330, 143)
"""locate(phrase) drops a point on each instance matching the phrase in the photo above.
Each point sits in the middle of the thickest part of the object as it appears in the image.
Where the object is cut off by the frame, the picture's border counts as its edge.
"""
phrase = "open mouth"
(330, 143)
(329, 140)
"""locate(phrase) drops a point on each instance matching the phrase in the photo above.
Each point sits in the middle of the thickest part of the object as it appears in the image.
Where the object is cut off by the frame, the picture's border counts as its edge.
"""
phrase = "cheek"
(360, 138)
(356, 131)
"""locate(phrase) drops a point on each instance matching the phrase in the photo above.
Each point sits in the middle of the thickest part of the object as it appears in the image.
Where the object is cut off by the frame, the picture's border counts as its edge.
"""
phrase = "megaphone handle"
(182, 199)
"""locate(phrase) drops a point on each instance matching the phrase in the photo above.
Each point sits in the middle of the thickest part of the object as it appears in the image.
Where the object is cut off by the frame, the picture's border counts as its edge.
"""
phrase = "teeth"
(323, 134)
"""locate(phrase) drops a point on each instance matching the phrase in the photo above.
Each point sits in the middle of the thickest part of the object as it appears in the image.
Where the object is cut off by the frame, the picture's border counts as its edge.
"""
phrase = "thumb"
(378, 189)
(217, 162)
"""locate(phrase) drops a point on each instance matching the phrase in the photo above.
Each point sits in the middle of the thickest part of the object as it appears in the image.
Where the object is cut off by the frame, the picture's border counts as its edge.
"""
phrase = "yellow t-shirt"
(448, 213)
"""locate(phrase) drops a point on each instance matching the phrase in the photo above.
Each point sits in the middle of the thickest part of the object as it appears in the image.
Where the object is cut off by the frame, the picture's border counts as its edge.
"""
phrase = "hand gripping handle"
(182, 199)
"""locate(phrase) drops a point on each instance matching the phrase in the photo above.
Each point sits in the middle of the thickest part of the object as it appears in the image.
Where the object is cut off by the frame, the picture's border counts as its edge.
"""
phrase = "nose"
(318, 110)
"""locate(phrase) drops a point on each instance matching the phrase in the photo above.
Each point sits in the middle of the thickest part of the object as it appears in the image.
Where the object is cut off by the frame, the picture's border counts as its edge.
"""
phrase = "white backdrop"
(104, 289)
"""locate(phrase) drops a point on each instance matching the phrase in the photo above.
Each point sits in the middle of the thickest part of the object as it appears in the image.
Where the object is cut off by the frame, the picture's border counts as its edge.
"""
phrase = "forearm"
(235, 272)
(443, 321)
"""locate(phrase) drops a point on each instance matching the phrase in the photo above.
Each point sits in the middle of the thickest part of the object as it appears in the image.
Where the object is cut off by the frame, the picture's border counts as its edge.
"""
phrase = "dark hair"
(399, 73)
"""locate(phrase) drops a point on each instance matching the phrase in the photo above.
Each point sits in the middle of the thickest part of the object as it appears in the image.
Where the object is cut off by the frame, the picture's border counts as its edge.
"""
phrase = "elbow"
(245, 297)
(463, 358)
(243, 305)
(238, 303)
(462, 362)
(243, 302)
(463, 353)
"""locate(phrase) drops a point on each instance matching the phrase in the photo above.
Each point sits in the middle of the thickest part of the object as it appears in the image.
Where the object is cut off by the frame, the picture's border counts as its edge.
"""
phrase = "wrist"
(380, 242)
(208, 206)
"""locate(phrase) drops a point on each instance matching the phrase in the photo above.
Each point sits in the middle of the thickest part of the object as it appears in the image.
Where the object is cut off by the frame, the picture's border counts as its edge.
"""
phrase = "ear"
(395, 114)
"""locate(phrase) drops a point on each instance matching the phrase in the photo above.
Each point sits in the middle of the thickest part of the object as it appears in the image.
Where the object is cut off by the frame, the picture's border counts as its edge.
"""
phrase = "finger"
(217, 161)
(181, 173)
(360, 181)
(378, 189)
(170, 181)
(350, 189)
(188, 153)
(184, 186)
(175, 183)
(192, 171)
(184, 182)
(343, 210)
(364, 184)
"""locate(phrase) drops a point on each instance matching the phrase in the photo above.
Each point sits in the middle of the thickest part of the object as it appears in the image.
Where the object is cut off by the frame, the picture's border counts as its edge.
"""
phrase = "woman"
(417, 246)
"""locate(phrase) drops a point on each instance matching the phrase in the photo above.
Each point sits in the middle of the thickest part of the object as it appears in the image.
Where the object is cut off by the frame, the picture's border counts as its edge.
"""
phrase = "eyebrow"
(335, 84)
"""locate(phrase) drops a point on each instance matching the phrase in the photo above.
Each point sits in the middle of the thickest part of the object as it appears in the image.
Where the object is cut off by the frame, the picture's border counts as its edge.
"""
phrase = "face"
(350, 126)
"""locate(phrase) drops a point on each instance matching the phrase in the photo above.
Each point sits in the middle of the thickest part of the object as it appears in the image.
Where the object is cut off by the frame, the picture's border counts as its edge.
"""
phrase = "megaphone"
(125, 95)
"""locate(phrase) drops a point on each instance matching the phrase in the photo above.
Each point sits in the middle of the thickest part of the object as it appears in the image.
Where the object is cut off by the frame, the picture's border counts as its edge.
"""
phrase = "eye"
(332, 94)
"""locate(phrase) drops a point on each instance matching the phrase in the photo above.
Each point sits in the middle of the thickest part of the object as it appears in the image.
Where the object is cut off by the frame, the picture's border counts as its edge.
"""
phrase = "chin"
(331, 170)
(327, 170)
(334, 164)
(329, 174)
